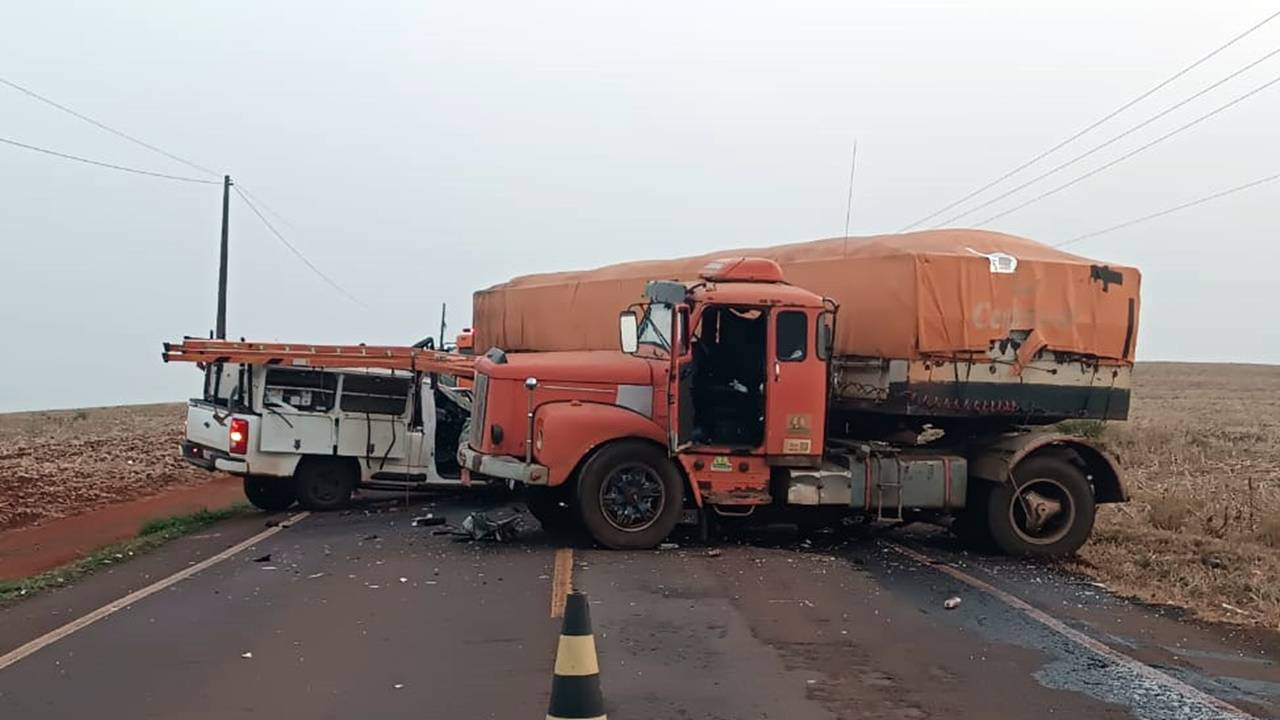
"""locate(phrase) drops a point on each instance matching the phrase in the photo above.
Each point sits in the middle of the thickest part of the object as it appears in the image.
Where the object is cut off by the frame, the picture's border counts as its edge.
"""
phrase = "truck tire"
(324, 483)
(553, 508)
(270, 494)
(1050, 486)
(629, 496)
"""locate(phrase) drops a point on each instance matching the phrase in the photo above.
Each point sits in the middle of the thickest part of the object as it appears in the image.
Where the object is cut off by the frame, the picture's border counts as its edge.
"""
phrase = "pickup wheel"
(553, 507)
(1050, 514)
(270, 494)
(324, 483)
(629, 495)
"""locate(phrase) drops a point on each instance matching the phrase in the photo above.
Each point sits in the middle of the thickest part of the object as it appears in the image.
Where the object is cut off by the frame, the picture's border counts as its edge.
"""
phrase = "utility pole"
(443, 307)
(221, 331)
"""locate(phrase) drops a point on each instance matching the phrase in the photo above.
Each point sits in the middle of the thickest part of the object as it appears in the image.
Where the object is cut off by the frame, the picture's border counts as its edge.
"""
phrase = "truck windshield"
(656, 326)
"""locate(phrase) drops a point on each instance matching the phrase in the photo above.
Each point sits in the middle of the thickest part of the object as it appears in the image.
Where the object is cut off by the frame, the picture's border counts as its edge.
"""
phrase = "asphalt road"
(362, 615)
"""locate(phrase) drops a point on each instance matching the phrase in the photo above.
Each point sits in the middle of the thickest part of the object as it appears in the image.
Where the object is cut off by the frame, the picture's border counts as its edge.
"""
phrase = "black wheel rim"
(632, 497)
(326, 487)
(1042, 511)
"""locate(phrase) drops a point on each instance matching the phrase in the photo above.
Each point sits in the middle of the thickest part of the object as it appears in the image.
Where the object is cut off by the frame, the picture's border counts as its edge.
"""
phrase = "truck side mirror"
(629, 332)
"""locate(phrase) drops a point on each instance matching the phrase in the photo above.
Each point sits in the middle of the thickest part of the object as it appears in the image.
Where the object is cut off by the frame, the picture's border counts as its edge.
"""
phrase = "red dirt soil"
(31, 550)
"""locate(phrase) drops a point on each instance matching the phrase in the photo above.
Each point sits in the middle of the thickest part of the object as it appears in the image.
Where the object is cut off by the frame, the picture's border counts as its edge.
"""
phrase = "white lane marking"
(1106, 651)
(84, 621)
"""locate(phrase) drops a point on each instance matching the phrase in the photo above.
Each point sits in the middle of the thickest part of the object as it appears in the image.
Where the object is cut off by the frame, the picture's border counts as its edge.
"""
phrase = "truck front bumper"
(502, 466)
(211, 459)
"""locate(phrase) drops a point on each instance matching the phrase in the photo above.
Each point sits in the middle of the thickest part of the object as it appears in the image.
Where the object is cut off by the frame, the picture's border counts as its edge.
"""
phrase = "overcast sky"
(420, 151)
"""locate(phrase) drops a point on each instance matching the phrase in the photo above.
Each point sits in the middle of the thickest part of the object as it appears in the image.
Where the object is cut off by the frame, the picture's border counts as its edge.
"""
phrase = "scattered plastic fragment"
(247, 655)
(951, 603)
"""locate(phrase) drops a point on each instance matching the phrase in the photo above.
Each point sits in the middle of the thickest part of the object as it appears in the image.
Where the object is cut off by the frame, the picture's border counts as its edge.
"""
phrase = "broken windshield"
(656, 326)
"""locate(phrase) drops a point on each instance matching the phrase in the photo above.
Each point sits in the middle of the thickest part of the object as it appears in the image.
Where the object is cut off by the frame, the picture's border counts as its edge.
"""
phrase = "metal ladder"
(880, 488)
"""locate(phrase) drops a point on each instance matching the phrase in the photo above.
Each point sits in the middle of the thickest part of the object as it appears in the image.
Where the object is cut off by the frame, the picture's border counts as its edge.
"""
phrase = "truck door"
(680, 419)
(796, 396)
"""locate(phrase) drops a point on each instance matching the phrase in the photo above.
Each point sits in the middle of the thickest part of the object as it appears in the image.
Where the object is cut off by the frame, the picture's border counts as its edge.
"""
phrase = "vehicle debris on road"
(480, 526)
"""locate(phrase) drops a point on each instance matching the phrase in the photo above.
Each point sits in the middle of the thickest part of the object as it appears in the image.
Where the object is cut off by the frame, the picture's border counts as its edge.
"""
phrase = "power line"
(1131, 153)
(112, 166)
(296, 251)
(265, 206)
(1168, 211)
(108, 128)
(1095, 124)
(1113, 140)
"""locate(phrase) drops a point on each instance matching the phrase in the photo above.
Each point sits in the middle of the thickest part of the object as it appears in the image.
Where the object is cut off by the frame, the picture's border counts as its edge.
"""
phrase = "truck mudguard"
(565, 432)
(993, 459)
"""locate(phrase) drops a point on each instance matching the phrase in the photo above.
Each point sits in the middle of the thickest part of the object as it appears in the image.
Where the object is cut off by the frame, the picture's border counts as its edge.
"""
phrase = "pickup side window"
(305, 390)
(375, 394)
(220, 384)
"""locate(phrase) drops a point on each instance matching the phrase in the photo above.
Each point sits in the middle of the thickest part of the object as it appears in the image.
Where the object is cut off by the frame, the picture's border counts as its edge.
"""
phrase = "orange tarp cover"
(901, 296)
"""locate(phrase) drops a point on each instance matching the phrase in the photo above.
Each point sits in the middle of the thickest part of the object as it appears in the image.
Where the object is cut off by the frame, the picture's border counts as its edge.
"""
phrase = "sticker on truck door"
(720, 463)
(797, 446)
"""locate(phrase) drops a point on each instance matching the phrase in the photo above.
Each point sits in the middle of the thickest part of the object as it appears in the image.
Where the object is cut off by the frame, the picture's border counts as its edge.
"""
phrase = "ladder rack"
(392, 357)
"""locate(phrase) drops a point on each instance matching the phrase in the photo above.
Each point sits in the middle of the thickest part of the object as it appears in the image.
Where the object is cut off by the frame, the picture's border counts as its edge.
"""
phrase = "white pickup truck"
(314, 435)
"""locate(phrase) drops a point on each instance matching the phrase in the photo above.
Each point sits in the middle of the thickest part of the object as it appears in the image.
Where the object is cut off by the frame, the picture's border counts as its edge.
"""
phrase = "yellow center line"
(561, 580)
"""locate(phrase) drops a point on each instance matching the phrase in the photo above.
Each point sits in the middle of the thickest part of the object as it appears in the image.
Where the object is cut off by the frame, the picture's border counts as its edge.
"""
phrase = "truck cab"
(314, 435)
(719, 404)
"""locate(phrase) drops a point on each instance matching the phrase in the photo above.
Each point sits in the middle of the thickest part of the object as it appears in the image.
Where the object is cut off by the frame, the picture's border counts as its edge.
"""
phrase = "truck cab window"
(792, 336)
(656, 326)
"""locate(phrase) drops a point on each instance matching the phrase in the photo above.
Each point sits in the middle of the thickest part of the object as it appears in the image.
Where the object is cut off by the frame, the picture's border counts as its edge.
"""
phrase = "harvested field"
(60, 462)
(1202, 455)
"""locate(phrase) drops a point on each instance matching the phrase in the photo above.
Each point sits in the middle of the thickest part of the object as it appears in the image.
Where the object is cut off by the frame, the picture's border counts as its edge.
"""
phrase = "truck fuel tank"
(882, 479)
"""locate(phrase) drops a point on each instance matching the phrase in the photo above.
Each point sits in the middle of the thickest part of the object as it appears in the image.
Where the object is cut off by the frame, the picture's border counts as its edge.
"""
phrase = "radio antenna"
(848, 207)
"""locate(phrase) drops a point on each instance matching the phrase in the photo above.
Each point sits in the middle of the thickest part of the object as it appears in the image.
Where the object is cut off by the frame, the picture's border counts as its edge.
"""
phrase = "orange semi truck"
(899, 378)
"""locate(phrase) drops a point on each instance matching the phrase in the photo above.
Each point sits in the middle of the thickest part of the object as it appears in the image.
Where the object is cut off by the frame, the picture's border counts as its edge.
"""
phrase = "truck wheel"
(324, 484)
(1051, 515)
(553, 507)
(270, 494)
(629, 496)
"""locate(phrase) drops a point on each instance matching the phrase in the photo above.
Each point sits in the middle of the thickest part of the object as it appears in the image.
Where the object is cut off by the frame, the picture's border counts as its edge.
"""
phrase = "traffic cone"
(575, 688)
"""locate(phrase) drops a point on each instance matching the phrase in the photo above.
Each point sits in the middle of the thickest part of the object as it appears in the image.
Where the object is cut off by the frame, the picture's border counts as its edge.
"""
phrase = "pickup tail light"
(239, 436)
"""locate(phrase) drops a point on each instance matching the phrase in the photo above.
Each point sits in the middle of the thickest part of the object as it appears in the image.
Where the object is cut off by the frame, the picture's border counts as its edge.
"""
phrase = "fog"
(416, 152)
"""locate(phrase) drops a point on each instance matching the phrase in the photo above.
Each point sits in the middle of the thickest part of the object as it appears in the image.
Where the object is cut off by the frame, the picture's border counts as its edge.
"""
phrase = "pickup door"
(203, 426)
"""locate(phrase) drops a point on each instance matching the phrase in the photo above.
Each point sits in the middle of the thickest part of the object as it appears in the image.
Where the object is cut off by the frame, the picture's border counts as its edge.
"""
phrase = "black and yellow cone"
(575, 689)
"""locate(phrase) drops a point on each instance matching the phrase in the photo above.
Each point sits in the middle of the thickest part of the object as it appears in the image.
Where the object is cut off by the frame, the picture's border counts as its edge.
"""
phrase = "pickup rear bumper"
(502, 466)
(212, 459)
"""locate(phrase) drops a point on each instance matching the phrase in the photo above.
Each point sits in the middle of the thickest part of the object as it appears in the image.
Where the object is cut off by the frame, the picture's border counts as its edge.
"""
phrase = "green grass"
(1092, 429)
(152, 535)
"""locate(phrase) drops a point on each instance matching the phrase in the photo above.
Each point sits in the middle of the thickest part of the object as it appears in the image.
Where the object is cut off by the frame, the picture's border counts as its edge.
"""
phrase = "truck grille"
(479, 396)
